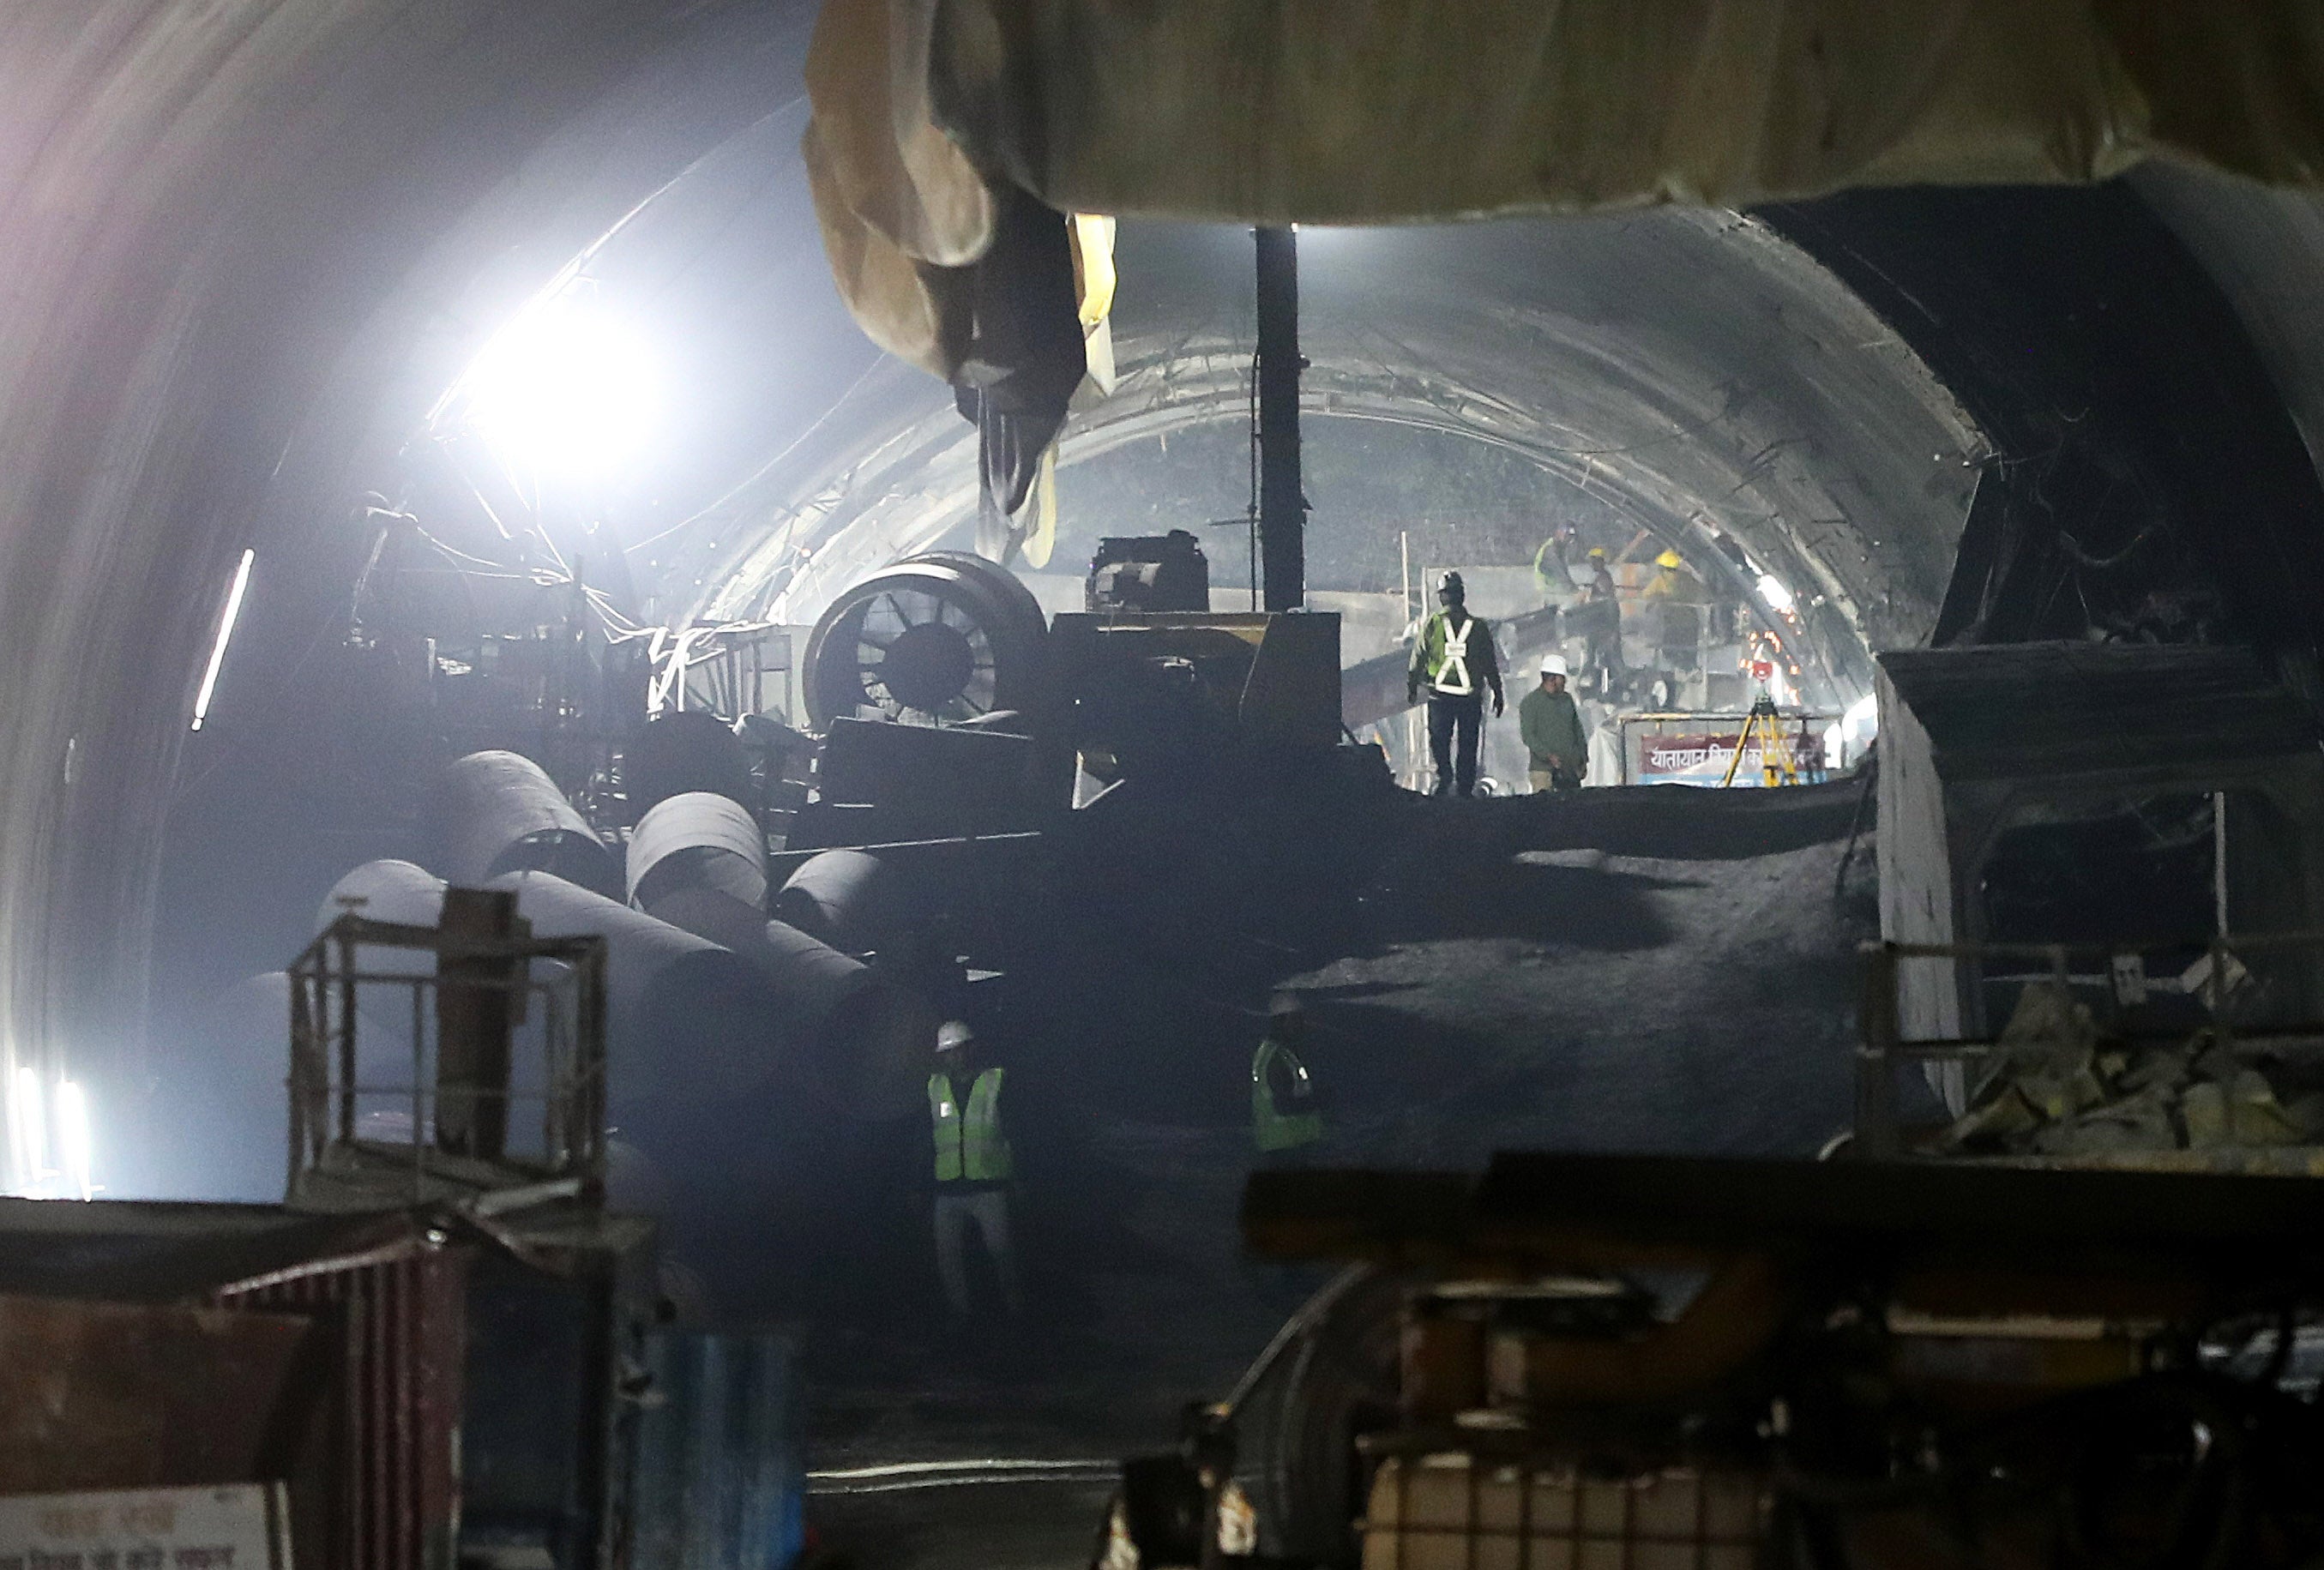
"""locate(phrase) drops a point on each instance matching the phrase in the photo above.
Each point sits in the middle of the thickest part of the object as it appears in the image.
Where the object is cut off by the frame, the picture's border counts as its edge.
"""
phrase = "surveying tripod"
(1774, 759)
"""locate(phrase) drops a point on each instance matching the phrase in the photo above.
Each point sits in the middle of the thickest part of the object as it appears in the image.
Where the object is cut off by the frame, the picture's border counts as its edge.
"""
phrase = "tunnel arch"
(246, 252)
(1693, 369)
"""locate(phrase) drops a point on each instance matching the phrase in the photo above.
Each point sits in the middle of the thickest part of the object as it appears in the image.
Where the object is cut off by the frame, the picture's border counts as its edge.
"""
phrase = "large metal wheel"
(940, 639)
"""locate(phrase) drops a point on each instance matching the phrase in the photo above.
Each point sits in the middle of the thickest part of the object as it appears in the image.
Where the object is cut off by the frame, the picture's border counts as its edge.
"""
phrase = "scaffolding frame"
(332, 982)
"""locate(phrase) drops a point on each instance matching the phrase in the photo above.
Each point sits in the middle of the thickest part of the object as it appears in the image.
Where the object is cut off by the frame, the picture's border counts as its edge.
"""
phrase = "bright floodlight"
(72, 1136)
(1772, 591)
(1862, 712)
(226, 635)
(564, 391)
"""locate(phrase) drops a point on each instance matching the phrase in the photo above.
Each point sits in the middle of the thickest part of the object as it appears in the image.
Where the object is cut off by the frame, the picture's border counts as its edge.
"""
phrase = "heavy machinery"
(1690, 1362)
(954, 641)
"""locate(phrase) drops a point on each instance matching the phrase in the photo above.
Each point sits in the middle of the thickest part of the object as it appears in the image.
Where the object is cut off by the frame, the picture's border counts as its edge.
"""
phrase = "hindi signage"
(1696, 749)
(245, 1527)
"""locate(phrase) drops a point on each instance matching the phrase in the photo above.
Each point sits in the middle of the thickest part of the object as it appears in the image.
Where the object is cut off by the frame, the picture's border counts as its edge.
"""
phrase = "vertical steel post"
(346, 1035)
(2220, 863)
(1282, 506)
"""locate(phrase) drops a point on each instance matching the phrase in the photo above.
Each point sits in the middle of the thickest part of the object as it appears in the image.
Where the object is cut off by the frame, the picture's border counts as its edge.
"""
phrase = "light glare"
(226, 634)
(563, 391)
(73, 1136)
(1771, 590)
(1863, 712)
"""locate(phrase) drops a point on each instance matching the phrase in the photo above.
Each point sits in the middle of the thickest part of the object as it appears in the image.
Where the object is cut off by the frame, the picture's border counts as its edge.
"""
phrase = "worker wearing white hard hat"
(974, 1164)
(1550, 723)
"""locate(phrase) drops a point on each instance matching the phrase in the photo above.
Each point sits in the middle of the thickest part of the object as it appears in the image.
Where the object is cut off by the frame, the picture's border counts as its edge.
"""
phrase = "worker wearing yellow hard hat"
(1672, 581)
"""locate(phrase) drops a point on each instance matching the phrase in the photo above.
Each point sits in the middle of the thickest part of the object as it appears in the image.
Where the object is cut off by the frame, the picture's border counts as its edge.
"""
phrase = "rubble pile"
(2057, 1086)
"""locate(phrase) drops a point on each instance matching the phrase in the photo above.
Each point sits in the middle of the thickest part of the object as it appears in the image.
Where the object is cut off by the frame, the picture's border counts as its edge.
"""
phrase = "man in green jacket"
(1550, 723)
(1454, 658)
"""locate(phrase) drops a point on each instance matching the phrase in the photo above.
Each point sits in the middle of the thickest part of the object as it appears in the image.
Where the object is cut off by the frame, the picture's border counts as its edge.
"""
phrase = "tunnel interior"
(378, 399)
(1917, 416)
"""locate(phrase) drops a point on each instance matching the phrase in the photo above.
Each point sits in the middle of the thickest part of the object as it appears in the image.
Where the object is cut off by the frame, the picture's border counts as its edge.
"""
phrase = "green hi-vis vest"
(970, 1145)
(1271, 1128)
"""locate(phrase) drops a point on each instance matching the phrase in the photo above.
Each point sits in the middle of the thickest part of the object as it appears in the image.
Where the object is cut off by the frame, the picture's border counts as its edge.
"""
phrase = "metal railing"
(340, 1028)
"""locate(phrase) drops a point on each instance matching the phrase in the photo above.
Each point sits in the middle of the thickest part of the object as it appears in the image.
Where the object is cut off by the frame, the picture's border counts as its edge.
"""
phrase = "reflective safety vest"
(1453, 676)
(970, 1146)
(1272, 1129)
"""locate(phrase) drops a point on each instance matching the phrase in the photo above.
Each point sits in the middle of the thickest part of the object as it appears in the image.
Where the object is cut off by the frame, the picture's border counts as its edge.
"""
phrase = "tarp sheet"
(1383, 111)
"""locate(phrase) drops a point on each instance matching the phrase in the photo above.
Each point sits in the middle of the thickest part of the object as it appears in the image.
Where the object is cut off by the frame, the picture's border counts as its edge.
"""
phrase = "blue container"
(721, 1482)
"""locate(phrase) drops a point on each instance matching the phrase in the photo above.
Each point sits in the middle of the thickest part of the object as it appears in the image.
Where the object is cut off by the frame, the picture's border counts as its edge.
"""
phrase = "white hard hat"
(1552, 665)
(952, 1035)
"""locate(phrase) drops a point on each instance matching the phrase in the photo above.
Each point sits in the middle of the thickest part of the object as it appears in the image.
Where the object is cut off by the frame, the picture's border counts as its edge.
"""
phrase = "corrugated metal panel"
(720, 1479)
(402, 1314)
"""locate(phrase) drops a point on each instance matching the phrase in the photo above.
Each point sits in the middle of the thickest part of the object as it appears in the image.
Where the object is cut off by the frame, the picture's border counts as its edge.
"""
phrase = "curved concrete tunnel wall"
(246, 250)
(233, 236)
(1692, 368)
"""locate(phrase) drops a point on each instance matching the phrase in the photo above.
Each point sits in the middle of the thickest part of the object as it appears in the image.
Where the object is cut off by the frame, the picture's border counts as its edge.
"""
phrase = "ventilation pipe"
(697, 840)
(500, 812)
(845, 898)
(863, 1045)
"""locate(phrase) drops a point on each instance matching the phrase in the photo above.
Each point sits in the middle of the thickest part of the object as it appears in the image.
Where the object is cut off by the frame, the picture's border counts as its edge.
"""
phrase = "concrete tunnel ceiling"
(247, 254)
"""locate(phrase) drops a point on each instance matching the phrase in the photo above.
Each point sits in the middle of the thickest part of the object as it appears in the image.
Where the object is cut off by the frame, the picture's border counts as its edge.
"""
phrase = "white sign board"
(242, 1527)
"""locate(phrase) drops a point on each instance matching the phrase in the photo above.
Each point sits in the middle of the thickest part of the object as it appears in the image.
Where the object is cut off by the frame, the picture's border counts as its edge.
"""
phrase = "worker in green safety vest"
(1285, 1113)
(974, 1164)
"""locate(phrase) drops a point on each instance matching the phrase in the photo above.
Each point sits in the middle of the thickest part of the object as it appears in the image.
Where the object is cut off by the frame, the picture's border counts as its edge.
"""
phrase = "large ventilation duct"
(697, 840)
(386, 891)
(500, 812)
(863, 1045)
(687, 1018)
(845, 898)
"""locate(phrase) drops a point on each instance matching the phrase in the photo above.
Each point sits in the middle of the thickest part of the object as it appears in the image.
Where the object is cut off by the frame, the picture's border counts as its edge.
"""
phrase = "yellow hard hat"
(1670, 558)
(1597, 553)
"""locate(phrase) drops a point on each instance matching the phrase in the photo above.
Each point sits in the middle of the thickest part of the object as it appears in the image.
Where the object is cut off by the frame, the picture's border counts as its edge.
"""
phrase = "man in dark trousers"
(1550, 724)
(974, 1164)
(1454, 659)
